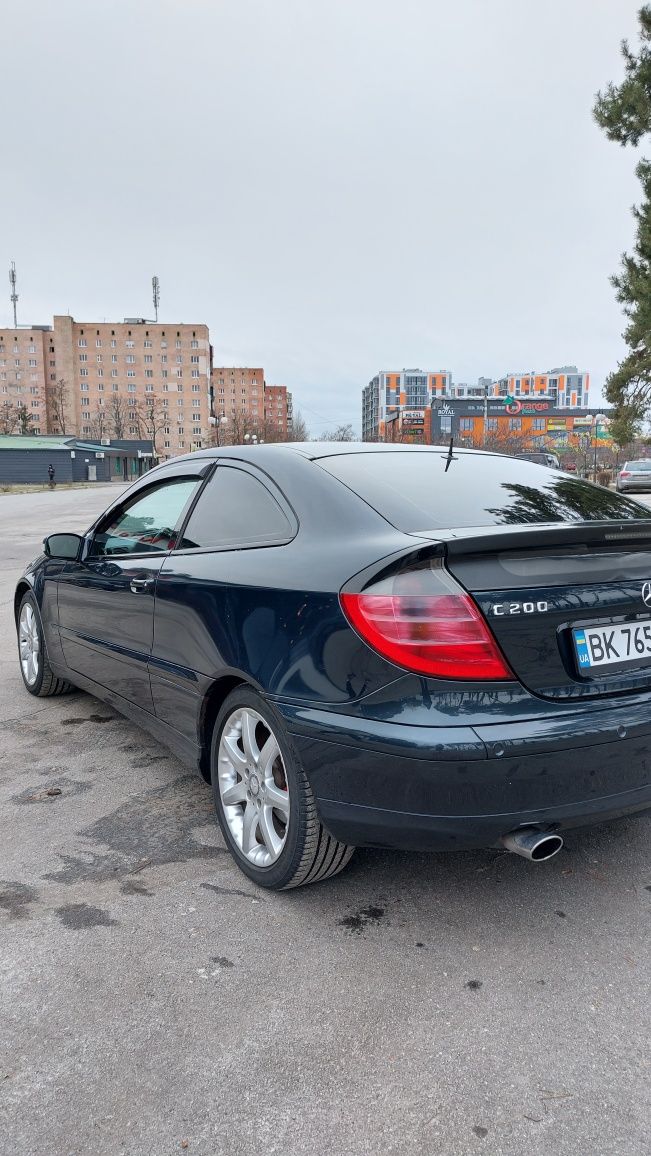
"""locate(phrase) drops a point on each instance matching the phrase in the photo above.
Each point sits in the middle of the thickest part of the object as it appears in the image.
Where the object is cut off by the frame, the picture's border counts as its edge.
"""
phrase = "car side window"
(235, 509)
(146, 524)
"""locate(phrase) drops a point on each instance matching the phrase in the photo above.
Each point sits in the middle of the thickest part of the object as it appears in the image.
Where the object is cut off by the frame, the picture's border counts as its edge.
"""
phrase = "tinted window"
(235, 509)
(146, 523)
(413, 491)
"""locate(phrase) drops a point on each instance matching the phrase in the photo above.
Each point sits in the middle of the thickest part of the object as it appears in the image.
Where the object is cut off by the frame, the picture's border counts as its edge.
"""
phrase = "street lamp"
(598, 417)
(219, 423)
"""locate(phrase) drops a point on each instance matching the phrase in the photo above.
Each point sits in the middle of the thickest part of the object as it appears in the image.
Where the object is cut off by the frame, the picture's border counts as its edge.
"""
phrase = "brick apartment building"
(135, 378)
(129, 379)
(241, 396)
(26, 359)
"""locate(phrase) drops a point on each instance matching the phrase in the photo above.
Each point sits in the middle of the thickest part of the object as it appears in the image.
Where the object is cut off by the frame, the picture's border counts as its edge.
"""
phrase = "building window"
(100, 372)
(115, 387)
(163, 359)
(148, 345)
(114, 358)
(148, 359)
(84, 386)
(114, 373)
(149, 388)
(113, 343)
(194, 359)
(167, 444)
(101, 387)
(130, 359)
(178, 344)
(163, 373)
(98, 343)
(196, 402)
(196, 429)
(131, 388)
(165, 387)
(130, 344)
(32, 362)
(32, 349)
(515, 423)
(83, 357)
(194, 344)
(539, 423)
(82, 343)
(180, 430)
(83, 373)
(466, 423)
(131, 373)
(149, 373)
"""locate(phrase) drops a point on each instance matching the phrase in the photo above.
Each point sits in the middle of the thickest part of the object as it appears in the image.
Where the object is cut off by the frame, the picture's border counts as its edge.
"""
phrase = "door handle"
(138, 584)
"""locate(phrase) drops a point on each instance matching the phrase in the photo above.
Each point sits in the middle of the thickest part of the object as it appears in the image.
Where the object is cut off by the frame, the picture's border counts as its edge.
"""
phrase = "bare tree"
(152, 417)
(58, 402)
(99, 423)
(298, 431)
(25, 418)
(8, 417)
(237, 428)
(341, 433)
(118, 415)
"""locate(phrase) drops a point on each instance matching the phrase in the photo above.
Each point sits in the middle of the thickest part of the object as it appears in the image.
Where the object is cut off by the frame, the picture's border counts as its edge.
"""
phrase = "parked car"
(541, 458)
(634, 476)
(365, 645)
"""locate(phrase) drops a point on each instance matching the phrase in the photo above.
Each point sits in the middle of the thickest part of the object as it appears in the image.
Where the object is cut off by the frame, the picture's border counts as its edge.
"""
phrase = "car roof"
(315, 450)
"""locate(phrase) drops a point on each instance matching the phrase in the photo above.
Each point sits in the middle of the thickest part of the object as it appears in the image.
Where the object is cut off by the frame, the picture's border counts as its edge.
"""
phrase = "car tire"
(38, 676)
(264, 802)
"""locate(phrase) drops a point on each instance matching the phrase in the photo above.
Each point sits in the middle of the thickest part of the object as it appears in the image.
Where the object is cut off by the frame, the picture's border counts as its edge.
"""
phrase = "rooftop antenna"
(14, 295)
(155, 285)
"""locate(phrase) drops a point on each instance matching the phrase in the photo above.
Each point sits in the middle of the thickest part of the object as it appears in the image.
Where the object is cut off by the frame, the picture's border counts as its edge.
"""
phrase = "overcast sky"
(334, 186)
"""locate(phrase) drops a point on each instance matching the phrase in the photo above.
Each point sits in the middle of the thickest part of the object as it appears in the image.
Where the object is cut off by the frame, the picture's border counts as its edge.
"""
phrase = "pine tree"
(624, 113)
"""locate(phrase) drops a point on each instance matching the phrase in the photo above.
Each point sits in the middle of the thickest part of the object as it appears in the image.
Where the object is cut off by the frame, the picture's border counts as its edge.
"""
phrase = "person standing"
(50, 473)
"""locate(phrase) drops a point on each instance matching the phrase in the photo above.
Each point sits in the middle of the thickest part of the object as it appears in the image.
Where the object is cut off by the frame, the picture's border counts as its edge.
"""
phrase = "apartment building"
(565, 387)
(392, 390)
(244, 404)
(391, 393)
(26, 360)
(134, 378)
(278, 410)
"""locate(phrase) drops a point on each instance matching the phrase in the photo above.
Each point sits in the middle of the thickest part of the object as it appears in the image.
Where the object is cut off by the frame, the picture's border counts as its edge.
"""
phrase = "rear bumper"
(420, 788)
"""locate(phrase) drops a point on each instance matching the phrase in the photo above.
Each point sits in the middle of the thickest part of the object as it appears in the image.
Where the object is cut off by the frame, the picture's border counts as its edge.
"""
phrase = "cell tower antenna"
(14, 295)
(155, 285)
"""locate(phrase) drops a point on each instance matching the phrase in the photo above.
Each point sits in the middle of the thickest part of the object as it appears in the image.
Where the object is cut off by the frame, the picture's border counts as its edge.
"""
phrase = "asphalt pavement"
(153, 1001)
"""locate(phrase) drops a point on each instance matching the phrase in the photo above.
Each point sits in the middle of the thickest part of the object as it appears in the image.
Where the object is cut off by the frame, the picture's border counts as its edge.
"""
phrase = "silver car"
(634, 476)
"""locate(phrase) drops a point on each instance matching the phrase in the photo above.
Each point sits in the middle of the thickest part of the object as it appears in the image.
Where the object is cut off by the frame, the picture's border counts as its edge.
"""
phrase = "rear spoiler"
(480, 539)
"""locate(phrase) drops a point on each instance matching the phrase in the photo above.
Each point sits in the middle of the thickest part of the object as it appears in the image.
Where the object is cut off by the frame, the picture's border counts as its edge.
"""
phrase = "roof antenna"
(155, 287)
(450, 457)
(14, 295)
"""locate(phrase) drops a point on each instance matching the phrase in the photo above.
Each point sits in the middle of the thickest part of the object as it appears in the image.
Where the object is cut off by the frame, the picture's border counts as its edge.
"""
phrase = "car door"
(106, 600)
(198, 634)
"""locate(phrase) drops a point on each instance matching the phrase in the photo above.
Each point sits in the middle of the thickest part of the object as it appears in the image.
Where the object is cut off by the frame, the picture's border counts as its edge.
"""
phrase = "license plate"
(613, 645)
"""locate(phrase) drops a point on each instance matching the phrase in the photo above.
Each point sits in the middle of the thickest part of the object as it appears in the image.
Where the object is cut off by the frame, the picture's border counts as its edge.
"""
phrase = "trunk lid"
(537, 585)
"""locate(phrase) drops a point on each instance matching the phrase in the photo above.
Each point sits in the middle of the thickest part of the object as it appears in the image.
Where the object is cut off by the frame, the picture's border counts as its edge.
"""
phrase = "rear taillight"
(443, 635)
(624, 473)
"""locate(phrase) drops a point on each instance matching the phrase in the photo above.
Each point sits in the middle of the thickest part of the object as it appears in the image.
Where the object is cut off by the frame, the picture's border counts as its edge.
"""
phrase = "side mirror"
(65, 546)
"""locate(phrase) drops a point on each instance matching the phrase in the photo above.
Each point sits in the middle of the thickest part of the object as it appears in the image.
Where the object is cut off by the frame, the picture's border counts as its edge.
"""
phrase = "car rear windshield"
(414, 491)
(638, 466)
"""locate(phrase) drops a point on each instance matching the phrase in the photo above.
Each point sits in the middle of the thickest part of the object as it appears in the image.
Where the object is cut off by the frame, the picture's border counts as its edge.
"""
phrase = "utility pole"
(155, 285)
(14, 295)
(483, 439)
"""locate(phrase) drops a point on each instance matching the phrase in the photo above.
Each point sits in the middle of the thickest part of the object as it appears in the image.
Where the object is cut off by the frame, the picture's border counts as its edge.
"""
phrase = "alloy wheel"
(253, 787)
(29, 643)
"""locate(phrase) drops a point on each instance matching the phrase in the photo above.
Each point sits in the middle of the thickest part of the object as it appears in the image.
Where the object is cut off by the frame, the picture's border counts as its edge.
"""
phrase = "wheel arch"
(210, 708)
(22, 589)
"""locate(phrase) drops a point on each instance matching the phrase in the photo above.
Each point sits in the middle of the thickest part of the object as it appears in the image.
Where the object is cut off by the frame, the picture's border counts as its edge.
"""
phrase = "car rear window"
(414, 491)
(643, 466)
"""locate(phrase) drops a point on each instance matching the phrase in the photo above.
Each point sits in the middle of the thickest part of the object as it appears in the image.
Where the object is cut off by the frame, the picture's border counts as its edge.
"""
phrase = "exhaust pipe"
(533, 843)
